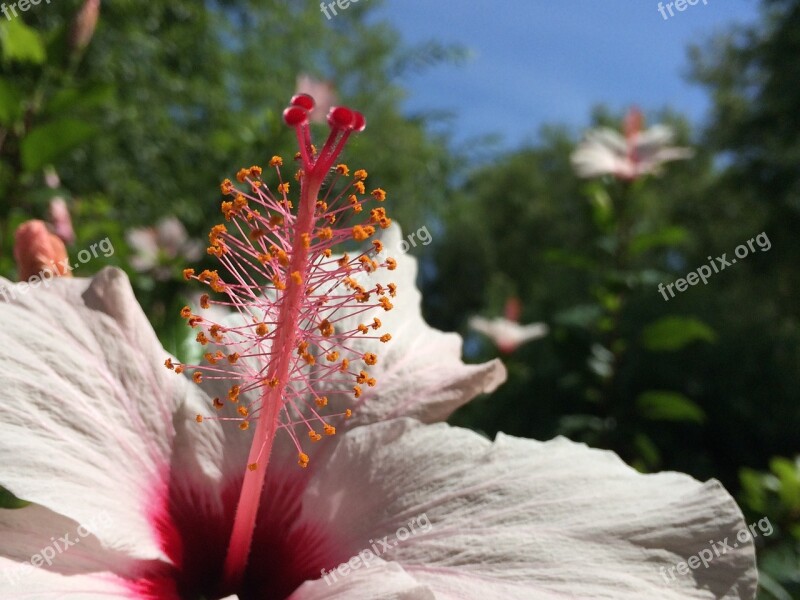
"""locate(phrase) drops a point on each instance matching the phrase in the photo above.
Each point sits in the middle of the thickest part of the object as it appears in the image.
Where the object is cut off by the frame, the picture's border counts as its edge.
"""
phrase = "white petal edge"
(525, 519)
(420, 373)
(380, 581)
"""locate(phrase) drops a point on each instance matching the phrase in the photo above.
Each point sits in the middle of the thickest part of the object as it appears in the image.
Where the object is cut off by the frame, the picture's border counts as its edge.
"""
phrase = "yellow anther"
(306, 237)
(302, 460)
(384, 302)
(356, 391)
(226, 187)
(197, 377)
(386, 337)
(297, 278)
(283, 188)
(391, 264)
(204, 301)
(379, 194)
(353, 200)
(276, 161)
(169, 364)
(329, 430)
(361, 233)
(201, 338)
(233, 393)
(326, 328)
(370, 358)
(199, 418)
(321, 401)
(186, 312)
(255, 171)
(315, 437)
(252, 466)
(360, 175)
(348, 413)
(345, 365)
(241, 176)
(218, 404)
(233, 358)
(244, 425)
(342, 169)
(188, 274)
(376, 323)
(359, 186)
(242, 410)
(332, 356)
(326, 233)
(392, 289)
(378, 246)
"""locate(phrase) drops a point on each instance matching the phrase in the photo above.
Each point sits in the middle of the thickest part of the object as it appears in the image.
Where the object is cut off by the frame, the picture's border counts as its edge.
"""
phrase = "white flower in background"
(156, 249)
(605, 152)
(506, 332)
(323, 93)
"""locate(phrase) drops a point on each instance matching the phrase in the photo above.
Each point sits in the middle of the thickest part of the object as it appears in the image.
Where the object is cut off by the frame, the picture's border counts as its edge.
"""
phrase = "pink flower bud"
(39, 252)
(84, 24)
(61, 220)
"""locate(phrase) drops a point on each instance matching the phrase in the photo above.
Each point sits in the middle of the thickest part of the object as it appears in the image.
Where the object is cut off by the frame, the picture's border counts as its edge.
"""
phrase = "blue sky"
(550, 61)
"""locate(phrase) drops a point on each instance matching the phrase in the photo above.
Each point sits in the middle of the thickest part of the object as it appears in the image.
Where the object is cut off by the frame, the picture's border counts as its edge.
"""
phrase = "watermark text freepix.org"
(48, 273)
(717, 549)
(380, 546)
(680, 6)
(23, 5)
(718, 264)
(325, 7)
(48, 554)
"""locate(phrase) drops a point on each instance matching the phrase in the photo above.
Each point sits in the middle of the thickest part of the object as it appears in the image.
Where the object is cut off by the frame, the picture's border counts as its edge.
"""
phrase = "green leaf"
(45, 143)
(669, 406)
(753, 490)
(647, 450)
(669, 236)
(21, 43)
(673, 333)
(9, 500)
(71, 98)
(789, 476)
(10, 103)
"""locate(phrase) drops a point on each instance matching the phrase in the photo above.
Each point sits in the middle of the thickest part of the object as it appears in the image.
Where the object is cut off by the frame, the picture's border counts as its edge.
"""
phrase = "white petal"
(419, 372)
(45, 555)
(380, 581)
(88, 421)
(525, 519)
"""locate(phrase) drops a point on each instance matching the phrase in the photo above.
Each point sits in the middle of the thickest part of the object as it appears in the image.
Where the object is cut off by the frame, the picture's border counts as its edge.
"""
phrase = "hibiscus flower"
(507, 332)
(156, 249)
(392, 505)
(605, 152)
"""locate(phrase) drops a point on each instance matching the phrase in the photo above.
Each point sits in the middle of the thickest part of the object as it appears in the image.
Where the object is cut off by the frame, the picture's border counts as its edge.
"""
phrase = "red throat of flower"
(633, 126)
(291, 345)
